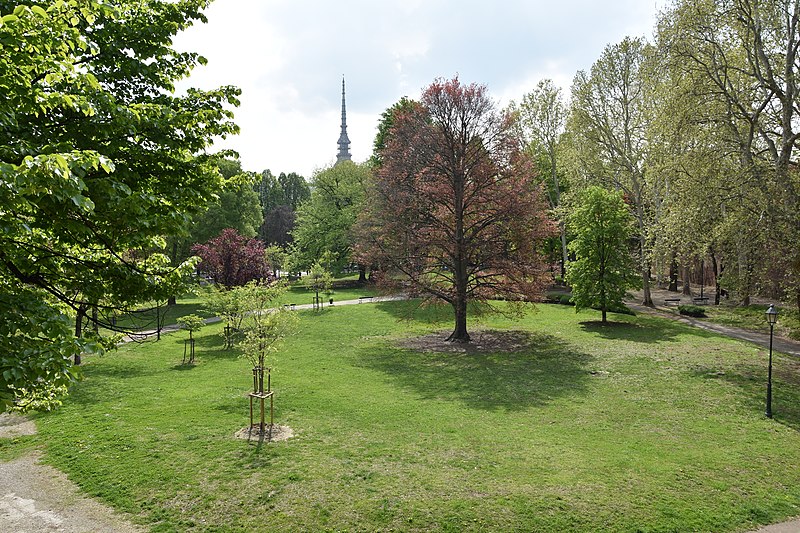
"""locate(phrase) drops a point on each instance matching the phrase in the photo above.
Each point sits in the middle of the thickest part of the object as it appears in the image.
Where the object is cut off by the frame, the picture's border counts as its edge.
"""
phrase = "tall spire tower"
(344, 141)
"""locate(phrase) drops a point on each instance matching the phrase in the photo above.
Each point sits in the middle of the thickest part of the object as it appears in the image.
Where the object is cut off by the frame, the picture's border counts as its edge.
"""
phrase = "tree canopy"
(99, 159)
(454, 209)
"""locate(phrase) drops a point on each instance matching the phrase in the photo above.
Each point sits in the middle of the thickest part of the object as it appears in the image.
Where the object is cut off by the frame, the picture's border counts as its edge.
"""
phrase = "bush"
(565, 299)
(692, 310)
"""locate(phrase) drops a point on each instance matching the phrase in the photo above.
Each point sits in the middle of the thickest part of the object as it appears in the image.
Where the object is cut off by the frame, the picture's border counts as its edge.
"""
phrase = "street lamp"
(772, 317)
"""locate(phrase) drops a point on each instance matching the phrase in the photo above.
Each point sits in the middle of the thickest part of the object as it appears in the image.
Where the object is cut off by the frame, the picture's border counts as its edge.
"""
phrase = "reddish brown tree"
(454, 211)
(232, 259)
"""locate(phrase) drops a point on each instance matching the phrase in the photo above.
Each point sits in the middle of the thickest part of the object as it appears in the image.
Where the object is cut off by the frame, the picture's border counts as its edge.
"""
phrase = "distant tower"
(344, 141)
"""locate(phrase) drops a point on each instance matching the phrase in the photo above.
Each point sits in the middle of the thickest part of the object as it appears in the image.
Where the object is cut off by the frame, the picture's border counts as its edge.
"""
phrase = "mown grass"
(297, 293)
(641, 425)
(753, 317)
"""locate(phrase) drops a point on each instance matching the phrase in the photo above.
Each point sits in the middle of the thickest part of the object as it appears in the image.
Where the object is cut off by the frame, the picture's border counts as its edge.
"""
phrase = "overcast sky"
(288, 57)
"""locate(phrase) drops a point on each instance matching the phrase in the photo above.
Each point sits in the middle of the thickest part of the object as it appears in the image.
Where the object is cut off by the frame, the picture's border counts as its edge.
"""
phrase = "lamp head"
(772, 315)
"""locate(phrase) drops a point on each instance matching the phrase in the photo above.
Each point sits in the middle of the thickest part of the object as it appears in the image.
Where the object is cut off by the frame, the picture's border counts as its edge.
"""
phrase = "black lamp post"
(772, 317)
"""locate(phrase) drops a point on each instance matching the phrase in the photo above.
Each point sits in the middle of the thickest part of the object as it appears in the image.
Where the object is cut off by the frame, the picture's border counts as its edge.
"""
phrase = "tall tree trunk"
(460, 333)
(687, 284)
(744, 278)
(717, 272)
(362, 273)
(673, 273)
(645, 267)
(80, 315)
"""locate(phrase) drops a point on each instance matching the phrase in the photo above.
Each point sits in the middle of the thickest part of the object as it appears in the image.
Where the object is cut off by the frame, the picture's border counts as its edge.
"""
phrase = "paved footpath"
(779, 344)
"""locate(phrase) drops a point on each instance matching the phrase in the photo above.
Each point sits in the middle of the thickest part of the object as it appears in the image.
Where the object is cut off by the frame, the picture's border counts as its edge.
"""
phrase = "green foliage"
(230, 306)
(266, 323)
(604, 268)
(98, 160)
(36, 349)
(692, 310)
(190, 323)
(325, 222)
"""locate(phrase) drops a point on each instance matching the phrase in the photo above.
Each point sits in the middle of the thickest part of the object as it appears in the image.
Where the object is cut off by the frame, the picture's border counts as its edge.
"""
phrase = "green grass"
(146, 319)
(753, 317)
(642, 425)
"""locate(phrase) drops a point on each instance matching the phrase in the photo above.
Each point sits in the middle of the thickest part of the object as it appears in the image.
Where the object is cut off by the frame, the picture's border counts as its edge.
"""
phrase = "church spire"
(344, 141)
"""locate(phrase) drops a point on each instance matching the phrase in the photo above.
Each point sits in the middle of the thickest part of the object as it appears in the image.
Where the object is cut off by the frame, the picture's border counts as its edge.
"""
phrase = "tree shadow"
(418, 310)
(539, 369)
(752, 382)
(643, 330)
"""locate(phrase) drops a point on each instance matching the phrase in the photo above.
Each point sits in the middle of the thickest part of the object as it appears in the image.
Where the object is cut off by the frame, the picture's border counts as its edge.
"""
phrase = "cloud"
(288, 58)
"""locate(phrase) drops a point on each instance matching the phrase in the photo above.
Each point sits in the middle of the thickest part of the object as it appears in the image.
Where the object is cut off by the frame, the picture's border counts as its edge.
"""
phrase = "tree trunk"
(79, 331)
(673, 274)
(603, 311)
(362, 273)
(717, 287)
(564, 255)
(645, 267)
(460, 333)
(744, 278)
(687, 285)
(171, 301)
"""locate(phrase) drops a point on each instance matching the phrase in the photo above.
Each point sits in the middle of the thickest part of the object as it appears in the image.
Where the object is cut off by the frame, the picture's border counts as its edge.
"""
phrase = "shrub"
(692, 310)
(565, 299)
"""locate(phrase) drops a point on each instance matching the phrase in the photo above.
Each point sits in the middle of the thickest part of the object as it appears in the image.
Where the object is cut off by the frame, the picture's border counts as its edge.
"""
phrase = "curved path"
(37, 497)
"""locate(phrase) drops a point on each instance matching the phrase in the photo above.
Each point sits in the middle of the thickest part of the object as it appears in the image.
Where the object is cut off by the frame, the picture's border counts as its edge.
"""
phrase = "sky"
(289, 56)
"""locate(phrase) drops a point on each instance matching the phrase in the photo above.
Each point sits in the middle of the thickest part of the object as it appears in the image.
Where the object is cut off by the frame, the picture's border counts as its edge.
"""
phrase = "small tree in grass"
(230, 307)
(190, 323)
(319, 279)
(604, 268)
(264, 326)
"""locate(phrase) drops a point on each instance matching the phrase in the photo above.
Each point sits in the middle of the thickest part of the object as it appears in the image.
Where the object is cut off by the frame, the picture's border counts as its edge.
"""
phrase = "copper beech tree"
(454, 213)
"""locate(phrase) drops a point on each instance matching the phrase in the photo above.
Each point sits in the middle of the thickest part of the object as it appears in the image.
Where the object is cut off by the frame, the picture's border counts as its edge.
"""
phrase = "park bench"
(671, 301)
(702, 301)
(362, 298)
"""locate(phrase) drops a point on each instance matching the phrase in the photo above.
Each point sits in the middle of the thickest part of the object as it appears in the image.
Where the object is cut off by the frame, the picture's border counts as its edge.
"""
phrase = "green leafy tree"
(190, 323)
(325, 222)
(265, 323)
(319, 279)
(99, 160)
(607, 130)
(604, 268)
(542, 115)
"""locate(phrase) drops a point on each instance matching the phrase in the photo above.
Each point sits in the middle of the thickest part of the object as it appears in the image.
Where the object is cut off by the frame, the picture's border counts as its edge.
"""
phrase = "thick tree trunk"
(460, 333)
(673, 274)
(564, 255)
(645, 267)
(603, 311)
(687, 285)
(362, 273)
(171, 301)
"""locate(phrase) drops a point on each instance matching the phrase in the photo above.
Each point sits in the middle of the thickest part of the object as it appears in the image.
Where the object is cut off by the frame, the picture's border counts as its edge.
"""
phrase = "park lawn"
(196, 304)
(753, 317)
(642, 425)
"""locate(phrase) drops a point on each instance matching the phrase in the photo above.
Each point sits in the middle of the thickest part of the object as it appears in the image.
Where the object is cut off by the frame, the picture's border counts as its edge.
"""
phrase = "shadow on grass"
(641, 331)
(752, 382)
(415, 310)
(534, 373)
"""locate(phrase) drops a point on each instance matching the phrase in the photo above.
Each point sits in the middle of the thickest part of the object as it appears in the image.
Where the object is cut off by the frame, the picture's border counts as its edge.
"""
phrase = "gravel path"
(38, 498)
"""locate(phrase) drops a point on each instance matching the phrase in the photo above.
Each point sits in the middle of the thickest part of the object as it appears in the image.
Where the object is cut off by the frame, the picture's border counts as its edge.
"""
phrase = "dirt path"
(38, 498)
(780, 344)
